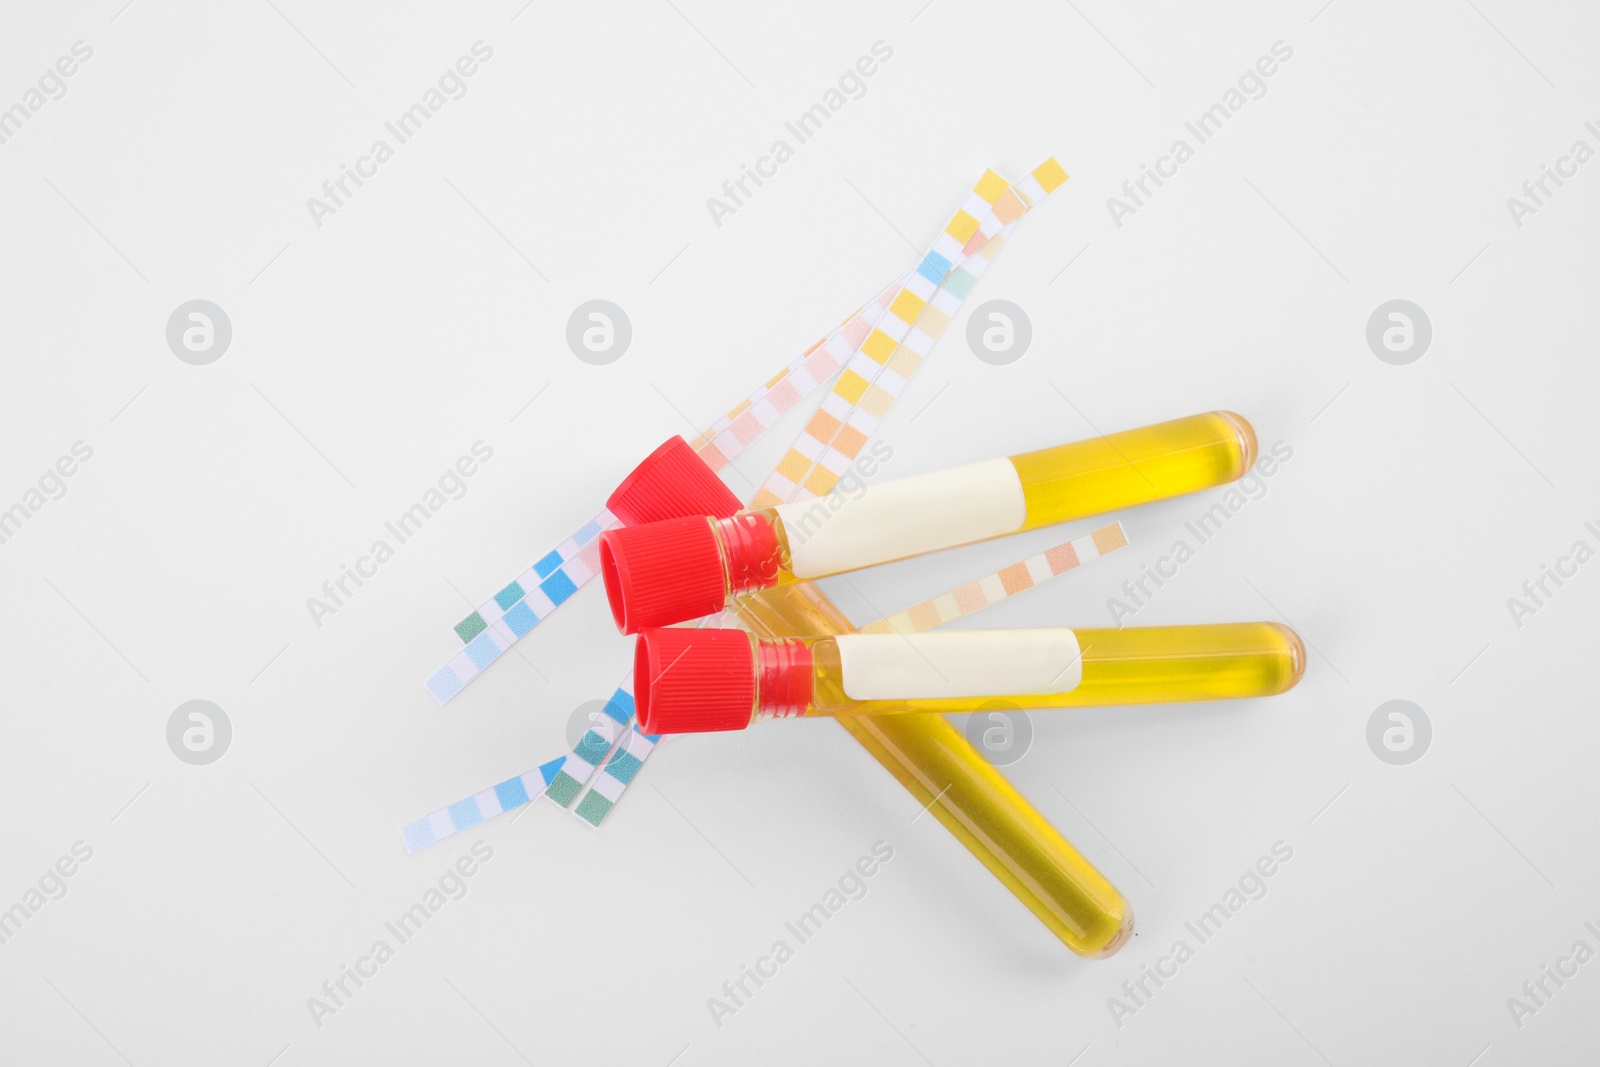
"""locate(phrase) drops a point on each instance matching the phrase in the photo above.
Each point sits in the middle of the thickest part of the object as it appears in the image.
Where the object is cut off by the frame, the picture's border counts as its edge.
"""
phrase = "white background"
(371, 352)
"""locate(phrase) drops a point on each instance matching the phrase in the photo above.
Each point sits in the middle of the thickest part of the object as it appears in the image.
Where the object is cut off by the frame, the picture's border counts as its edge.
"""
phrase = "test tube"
(930, 758)
(691, 680)
(953, 782)
(670, 571)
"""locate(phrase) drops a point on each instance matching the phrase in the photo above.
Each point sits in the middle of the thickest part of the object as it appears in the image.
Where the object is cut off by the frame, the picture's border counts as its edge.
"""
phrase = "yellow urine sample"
(1134, 467)
(1138, 665)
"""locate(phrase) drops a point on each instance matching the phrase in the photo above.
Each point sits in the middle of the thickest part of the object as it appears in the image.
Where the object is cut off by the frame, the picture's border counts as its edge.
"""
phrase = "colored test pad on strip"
(592, 749)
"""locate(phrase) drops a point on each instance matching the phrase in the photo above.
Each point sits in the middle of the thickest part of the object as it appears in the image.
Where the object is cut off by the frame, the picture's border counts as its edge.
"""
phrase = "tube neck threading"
(751, 555)
(783, 679)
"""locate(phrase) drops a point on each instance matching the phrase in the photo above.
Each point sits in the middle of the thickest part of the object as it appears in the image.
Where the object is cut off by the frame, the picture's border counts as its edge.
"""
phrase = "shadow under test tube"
(924, 752)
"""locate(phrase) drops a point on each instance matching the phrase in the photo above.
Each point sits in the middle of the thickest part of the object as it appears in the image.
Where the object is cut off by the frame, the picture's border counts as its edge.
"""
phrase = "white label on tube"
(903, 518)
(965, 663)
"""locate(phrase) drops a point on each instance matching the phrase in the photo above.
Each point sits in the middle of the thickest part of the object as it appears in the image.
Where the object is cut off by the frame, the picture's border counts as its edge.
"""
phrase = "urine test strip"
(554, 779)
(969, 229)
(854, 422)
(756, 414)
(1007, 581)
(521, 605)
(593, 747)
(862, 396)
(470, 811)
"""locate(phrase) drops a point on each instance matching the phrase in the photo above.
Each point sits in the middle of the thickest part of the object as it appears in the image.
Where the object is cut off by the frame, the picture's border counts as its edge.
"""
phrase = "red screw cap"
(672, 482)
(694, 681)
(662, 572)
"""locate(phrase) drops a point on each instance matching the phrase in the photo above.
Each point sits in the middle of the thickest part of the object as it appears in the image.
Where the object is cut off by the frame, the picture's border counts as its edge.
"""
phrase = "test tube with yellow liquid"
(696, 680)
(665, 572)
